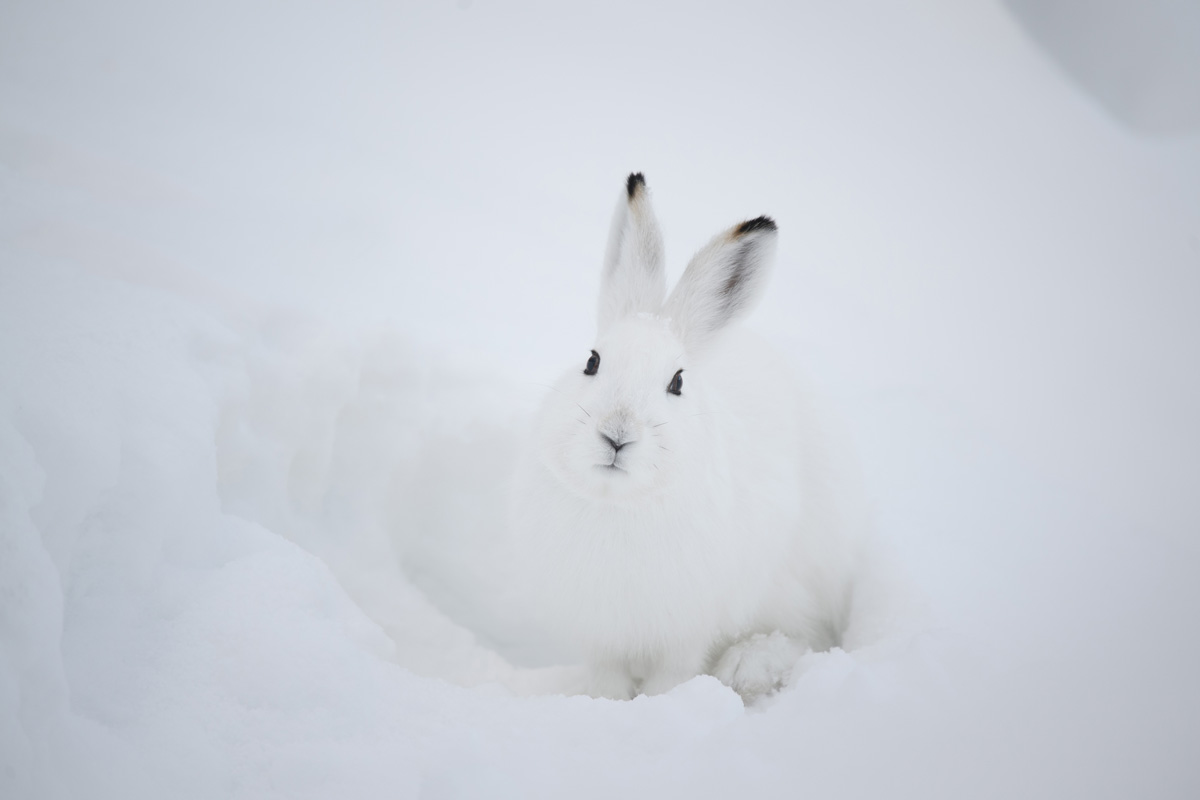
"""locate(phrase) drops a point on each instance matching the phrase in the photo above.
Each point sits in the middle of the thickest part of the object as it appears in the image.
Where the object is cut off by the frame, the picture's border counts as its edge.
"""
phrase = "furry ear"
(634, 278)
(722, 281)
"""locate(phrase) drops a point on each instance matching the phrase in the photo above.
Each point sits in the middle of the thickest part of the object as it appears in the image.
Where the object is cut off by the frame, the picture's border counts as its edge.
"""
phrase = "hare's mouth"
(610, 467)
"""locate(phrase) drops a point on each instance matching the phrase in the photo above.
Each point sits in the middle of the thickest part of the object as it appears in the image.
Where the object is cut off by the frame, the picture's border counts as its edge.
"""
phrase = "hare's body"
(665, 523)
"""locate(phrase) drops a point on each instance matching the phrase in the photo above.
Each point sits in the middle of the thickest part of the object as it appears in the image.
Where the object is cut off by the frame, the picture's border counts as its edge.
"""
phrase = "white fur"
(716, 522)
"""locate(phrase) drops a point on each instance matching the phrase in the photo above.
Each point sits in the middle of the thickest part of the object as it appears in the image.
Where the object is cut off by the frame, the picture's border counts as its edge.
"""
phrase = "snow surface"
(280, 284)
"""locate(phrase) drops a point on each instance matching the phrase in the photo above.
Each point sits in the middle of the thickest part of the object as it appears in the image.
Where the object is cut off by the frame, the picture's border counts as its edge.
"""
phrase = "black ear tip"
(756, 224)
(632, 183)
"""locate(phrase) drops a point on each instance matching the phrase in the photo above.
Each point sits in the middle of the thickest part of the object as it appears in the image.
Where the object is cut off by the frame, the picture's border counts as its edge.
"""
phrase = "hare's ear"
(722, 281)
(634, 278)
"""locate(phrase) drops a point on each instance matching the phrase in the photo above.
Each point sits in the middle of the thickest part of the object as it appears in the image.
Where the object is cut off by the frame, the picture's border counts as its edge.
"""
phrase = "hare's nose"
(619, 429)
(616, 445)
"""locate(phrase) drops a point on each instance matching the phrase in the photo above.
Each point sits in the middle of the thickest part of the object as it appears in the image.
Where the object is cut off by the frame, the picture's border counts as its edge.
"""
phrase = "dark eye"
(676, 384)
(593, 364)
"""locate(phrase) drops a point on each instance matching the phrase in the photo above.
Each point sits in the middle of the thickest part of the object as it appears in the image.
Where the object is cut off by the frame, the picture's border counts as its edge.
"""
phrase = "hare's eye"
(676, 384)
(593, 364)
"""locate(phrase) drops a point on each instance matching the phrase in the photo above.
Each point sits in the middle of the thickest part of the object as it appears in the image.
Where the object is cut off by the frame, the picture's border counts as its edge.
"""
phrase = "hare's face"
(630, 422)
(621, 423)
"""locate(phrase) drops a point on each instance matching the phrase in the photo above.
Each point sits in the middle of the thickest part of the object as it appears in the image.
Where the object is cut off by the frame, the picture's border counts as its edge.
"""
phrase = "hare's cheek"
(568, 450)
(556, 442)
(564, 467)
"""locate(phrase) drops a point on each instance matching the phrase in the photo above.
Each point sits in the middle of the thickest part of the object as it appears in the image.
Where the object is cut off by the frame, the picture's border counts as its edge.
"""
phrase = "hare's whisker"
(547, 386)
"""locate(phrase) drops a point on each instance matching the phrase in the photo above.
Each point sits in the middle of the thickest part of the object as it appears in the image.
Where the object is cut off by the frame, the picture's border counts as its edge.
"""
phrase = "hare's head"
(638, 415)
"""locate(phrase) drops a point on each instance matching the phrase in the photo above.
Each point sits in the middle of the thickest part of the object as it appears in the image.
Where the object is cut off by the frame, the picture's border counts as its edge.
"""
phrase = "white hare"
(674, 508)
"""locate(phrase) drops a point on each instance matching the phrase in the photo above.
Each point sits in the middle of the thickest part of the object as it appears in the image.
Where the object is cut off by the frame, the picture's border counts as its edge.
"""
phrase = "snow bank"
(155, 453)
(278, 288)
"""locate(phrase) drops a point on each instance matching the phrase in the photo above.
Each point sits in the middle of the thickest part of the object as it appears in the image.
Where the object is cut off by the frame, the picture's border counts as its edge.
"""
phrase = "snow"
(281, 285)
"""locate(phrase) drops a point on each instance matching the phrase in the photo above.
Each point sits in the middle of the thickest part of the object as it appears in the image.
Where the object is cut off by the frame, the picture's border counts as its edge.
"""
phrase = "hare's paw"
(669, 675)
(612, 682)
(759, 664)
